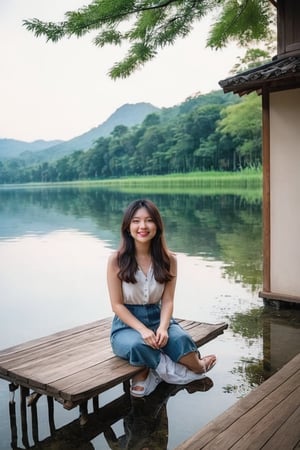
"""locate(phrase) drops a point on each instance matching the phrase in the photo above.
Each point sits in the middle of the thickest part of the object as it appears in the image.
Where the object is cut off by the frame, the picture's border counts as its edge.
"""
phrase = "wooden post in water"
(83, 408)
(13, 424)
(95, 403)
(24, 392)
(51, 414)
(35, 425)
(12, 415)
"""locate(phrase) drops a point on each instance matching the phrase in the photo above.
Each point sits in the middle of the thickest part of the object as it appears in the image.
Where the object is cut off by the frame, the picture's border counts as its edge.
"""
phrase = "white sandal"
(148, 385)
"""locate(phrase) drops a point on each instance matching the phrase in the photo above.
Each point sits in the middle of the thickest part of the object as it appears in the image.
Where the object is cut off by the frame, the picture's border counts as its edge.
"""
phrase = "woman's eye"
(137, 221)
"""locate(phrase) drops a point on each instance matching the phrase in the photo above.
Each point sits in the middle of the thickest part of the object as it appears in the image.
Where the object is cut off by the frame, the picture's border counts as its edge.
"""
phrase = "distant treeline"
(209, 132)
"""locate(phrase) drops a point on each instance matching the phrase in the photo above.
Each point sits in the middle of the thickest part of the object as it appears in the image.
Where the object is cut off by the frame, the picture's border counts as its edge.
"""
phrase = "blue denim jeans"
(128, 344)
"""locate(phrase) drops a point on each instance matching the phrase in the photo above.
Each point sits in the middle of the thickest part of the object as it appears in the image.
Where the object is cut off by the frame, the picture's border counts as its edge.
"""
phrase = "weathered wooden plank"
(105, 374)
(60, 361)
(63, 353)
(77, 363)
(54, 346)
(202, 332)
(287, 436)
(73, 383)
(21, 362)
(91, 386)
(253, 414)
(257, 433)
(21, 356)
(57, 349)
(52, 337)
(251, 419)
(53, 369)
(120, 369)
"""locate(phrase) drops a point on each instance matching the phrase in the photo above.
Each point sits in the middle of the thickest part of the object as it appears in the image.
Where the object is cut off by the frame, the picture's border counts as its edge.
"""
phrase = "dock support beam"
(83, 408)
(24, 393)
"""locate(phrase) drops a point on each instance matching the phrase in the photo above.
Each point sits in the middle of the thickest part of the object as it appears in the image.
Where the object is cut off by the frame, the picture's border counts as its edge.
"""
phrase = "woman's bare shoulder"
(172, 255)
(113, 259)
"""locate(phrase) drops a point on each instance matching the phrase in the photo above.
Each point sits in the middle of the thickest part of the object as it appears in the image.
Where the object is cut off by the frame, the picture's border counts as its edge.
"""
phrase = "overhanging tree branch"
(152, 24)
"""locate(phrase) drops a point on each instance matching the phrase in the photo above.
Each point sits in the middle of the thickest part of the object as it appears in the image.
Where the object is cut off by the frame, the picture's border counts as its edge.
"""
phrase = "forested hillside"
(206, 132)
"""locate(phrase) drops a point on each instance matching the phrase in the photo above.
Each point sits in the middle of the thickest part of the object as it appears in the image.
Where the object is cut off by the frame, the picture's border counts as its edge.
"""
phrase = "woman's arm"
(167, 305)
(117, 303)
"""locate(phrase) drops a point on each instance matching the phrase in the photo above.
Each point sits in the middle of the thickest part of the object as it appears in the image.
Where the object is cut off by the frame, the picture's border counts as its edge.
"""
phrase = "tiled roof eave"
(274, 74)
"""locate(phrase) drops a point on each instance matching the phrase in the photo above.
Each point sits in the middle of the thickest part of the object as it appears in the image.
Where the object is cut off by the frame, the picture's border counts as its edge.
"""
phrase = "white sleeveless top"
(145, 291)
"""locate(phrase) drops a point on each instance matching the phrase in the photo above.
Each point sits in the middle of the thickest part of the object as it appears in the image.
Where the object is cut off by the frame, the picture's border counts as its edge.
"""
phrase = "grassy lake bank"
(247, 183)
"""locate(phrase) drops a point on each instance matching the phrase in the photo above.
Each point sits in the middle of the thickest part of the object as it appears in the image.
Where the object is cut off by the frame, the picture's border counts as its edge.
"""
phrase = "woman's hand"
(161, 337)
(150, 338)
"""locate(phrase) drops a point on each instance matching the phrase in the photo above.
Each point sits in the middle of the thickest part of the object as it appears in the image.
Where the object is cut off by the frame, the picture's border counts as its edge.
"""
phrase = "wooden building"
(278, 83)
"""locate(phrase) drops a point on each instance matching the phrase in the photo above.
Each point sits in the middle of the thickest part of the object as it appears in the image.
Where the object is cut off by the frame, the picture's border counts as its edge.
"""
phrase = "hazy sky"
(59, 91)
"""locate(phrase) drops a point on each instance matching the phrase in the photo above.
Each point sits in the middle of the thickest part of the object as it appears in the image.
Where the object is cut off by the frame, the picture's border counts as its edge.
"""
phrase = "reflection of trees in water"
(249, 325)
(278, 347)
(241, 250)
(222, 227)
(249, 371)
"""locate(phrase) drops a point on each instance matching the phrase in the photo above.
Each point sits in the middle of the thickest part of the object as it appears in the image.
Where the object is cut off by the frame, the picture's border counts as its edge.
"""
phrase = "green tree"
(4, 174)
(99, 158)
(243, 123)
(119, 149)
(65, 171)
(149, 25)
(146, 147)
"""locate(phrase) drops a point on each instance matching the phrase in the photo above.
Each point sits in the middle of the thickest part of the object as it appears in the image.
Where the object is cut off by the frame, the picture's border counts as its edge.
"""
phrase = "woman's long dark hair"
(159, 251)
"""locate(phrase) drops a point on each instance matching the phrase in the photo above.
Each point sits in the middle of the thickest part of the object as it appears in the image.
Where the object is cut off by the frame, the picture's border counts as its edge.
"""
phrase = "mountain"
(128, 115)
(11, 148)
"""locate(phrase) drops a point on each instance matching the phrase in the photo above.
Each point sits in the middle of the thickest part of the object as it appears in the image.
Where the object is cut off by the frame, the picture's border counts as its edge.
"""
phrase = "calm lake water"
(54, 245)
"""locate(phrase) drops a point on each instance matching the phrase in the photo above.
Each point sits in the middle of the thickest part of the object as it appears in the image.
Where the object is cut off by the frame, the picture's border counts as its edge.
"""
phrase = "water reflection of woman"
(146, 426)
(141, 279)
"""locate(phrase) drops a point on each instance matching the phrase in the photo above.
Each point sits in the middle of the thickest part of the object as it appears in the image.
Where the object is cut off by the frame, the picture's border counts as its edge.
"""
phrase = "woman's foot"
(207, 363)
(141, 387)
(141, 376)
(196, 364)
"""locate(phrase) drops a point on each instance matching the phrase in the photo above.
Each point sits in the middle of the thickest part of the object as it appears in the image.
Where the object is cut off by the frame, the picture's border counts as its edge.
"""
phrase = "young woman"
(141, 278)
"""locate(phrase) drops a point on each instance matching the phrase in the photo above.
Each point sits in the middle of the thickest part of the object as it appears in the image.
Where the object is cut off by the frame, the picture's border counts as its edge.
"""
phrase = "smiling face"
(142, 226)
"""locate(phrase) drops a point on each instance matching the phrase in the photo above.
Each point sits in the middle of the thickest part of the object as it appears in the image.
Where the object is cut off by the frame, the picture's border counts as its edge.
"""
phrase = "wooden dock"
(267, 418)
(76, 365)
